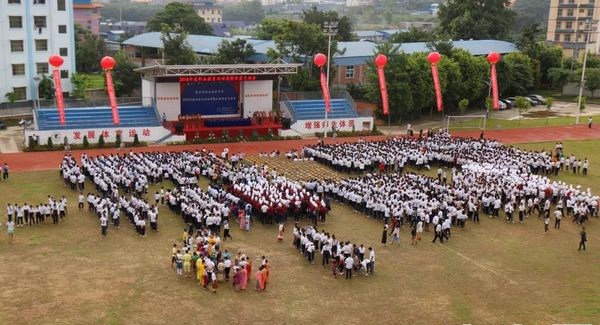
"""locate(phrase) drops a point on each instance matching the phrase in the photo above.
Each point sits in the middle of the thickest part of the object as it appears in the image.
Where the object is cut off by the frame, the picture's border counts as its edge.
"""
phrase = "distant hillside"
(531, 11)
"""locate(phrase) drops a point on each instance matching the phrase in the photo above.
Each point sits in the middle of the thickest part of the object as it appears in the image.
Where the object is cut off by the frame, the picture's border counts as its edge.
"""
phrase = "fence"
(96, 102)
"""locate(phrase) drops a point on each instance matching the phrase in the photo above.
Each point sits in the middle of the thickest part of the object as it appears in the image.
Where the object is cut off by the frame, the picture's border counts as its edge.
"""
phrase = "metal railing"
(286, 100)
(96, 102)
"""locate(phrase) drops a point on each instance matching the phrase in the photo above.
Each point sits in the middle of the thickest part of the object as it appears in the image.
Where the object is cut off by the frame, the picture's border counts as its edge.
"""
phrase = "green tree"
(86, 142)
(558, 77)
(582, 103)
(89, 49)
(101, 141)
(11, 96)
(320, 18)
(474, 76)
(413, 35)
(49, 143)
(592, 80)
(550, 57)
(118, 141)
(233, 52)
(46, 88)
(250, 12)
(481, 19)
(443, 47)
(463, 105)
(269, 28)
(549, 102)
(179, 16)
(176, 49)
(125, 79)
(522, 104)
(517, 75)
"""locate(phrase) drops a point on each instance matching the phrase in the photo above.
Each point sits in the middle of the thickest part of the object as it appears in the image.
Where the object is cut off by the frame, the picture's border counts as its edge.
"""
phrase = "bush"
(32, 143)
(118, 141)
(101, 141)
(254, 135)
(86, 143)
(136, 140)
(49, 144)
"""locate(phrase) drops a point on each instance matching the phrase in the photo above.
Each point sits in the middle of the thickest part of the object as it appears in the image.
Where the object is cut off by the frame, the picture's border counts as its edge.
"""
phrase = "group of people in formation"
(486, 177)
(201, 256)
(31, 214)
(342, 257)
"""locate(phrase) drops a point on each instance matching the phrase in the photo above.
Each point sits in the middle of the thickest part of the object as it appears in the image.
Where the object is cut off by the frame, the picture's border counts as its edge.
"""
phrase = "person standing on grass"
(384, 235)
(546, 223)
(103, 225)
(583, 238)
(371, 265)
(349, 264)
(438, 233)
(557, 218)
(396, 235)
(226, 230)
(5, 171)
(80, 200)
(589, 122)
(10, 229)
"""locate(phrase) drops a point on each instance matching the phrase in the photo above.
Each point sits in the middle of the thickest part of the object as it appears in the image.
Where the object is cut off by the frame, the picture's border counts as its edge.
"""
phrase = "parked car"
(511, 100)
(508, 103)
(539, 98)
(502, 105)
(2, 126)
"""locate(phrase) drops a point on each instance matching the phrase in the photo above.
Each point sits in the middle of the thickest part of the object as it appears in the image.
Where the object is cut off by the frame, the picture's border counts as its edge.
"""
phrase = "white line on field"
(481, 265)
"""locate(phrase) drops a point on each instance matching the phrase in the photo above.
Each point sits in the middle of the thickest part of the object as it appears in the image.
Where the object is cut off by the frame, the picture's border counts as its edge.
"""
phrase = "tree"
(319, 18)
(462, 105)
(550, 57)
(250, 12)
(474, 82)
(443, 47)
(46, 88)
(179, 16)
(522, 104)
(558, 77)
(89, 49)
(233, 52)
(517, 76)
(176, 49)
(269, 28)
(125, 79)
(413, 35)
(549, 102)
(592, 80)
(482, 19)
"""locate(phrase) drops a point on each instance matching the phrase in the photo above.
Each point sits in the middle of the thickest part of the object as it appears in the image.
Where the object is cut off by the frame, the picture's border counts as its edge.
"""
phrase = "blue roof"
(354, 52)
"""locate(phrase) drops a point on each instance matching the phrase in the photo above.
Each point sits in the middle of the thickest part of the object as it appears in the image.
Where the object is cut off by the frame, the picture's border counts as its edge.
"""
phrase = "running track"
(50, 160)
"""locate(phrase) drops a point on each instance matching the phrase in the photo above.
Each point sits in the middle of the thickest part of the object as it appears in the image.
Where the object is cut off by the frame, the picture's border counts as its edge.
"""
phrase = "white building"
(31, 31)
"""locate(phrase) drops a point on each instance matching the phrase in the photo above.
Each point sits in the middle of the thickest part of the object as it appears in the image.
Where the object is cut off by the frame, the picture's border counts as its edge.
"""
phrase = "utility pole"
(329, 29)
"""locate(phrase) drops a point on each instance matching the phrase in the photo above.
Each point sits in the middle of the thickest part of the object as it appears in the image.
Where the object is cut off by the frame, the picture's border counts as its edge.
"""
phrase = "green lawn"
(493, 123)
(491, 273)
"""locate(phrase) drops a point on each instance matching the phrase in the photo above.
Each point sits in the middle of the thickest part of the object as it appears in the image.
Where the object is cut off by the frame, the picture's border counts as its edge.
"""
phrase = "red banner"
(494, 86)
(436, 87)
(110, 88)
(383, 89)
(60, 103)
(325, 89)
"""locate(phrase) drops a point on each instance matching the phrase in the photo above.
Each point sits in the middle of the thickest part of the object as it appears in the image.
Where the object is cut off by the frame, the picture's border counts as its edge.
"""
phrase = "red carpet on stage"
(196, 128)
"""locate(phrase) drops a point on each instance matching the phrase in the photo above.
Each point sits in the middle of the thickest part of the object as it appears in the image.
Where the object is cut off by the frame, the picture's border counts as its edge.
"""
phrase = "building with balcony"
(571, 23)
(87, 15)
(31, 31)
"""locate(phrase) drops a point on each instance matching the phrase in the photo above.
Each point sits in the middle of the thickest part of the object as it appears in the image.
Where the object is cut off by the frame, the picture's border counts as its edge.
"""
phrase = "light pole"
(36, 100)
(588, 28)
(329, 29)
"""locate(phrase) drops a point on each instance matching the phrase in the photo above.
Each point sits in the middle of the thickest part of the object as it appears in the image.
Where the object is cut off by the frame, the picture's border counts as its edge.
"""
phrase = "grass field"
(493, 123)
(491, 273)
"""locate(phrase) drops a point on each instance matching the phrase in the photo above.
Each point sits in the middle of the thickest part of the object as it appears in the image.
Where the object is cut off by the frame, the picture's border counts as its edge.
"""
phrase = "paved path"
(50, 160)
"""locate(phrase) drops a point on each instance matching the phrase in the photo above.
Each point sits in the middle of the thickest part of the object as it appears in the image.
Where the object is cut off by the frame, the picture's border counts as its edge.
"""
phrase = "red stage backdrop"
(320, 59)
(56, 61)
(107, 64)
(434, 58)
(381, 61)
(493, 58)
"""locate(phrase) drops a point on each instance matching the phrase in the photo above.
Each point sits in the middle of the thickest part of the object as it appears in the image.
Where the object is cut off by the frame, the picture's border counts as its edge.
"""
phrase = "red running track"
(26, 161)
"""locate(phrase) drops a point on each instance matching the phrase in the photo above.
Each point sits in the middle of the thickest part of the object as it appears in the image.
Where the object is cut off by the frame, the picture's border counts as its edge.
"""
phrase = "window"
(581, 10)
(558, 24)
(569, 25)
(39, 2)
(15, 21)
(349, 71)
(557, 37)
(20, 93)
(41, 45)
(560, 13)
(18, 69)
(14, 2)
(42, 68)
(64, 74)
(571, 1)
(16, 45)
(62, 29)
(567, 37)
(39, 21)
(590, 12)
(60, 5)
(569, 12)
(63, 51)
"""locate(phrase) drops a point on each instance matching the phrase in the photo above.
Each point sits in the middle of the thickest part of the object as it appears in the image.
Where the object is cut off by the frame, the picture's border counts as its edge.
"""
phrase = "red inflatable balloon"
(108, 62)
(56, 60)
(434, 57)
(320, 59)
(493, 57)
(380, 60)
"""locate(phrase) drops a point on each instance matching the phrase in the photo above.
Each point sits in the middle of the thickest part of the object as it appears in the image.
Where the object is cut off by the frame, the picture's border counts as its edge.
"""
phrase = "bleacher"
(315, 109)
(101, 117)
